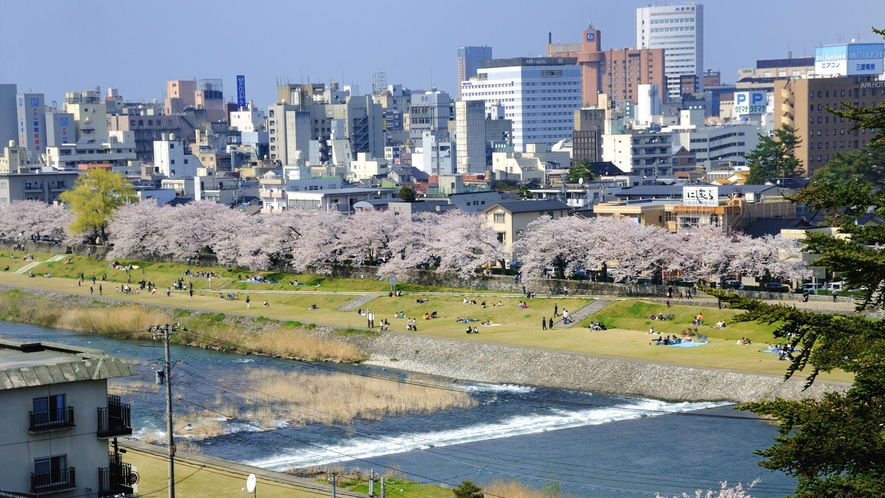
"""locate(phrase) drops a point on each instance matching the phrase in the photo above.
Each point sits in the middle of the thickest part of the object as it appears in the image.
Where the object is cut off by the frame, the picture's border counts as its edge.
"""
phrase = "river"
(582, 443)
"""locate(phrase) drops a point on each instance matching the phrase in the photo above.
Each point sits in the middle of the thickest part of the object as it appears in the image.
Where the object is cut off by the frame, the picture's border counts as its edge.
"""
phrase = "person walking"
(555, 310)
(191, 292)
(90, 290)
(550, 323)
(99, 290)
(669, 292)
(248, 301)
(544, 323)
(834, 296)
(371, 319)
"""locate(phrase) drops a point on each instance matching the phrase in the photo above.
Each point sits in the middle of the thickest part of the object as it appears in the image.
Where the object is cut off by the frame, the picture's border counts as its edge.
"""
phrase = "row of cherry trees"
(451, 242)
(630, 251)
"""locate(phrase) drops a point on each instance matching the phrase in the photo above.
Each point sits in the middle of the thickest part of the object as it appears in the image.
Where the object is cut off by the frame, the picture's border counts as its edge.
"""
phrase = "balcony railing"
(53, 481)
(52, 420)
(114, 420)
(114, 479)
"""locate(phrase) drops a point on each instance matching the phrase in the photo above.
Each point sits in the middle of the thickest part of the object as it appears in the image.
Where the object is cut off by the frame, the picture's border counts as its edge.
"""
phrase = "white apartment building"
(679, 30)
(172, 159)
(714, 146)
(118, 150)
(645, 153)
(365, 167)
(434, 157)
(57, 419)
(538, 94)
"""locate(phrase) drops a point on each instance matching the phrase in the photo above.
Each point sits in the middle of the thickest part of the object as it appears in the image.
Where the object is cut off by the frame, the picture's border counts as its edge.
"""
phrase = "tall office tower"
(679, 30)
(31, 123)
(470, 140)
(469, 60)
(8, 126)
(540, 95)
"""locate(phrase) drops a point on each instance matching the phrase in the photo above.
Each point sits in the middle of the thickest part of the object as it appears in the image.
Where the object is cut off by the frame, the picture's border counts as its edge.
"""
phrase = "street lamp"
(163, 332)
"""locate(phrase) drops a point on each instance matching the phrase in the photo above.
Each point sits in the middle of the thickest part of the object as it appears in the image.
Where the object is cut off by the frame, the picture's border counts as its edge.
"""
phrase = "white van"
(835, 286)
(812, 287)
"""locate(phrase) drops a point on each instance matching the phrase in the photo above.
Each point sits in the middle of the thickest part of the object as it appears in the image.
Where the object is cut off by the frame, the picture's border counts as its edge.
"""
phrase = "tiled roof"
(40, 364)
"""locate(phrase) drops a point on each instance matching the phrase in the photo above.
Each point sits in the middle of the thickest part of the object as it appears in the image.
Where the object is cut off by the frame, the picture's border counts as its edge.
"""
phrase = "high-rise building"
(31, 123)
(539, 95)
(617, 72)
(469, 60)
(8, 125)
(802, 103)
(679, 30)
(470, 137)
(587, 135)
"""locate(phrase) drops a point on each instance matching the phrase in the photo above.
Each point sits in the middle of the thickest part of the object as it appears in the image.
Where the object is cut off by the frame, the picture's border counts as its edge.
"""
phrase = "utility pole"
(333, 484)
(372, 484)
(383, 494)
(163, 332)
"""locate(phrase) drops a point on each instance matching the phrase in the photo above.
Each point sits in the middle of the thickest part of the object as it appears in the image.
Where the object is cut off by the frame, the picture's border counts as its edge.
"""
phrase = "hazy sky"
(55, 46)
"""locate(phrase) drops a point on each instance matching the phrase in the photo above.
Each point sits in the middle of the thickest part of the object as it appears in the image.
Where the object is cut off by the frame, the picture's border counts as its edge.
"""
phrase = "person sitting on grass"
(434, 315)
(266, 304)
(313, 307)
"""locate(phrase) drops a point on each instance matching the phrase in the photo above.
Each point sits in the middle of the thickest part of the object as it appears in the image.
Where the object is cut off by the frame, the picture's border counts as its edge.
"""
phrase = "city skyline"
(146, 44)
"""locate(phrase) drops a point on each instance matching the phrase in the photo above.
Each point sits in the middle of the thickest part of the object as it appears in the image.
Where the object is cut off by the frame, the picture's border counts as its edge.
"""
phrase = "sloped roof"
(773, 226)
(45, 363)
(530, 206)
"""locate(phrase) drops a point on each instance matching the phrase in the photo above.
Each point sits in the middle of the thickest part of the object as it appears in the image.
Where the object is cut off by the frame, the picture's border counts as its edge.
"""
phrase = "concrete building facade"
(8, 113)
(45, 387)
(679, 30)
(31, 113)
(802, 104)
(470, 137)
(539, 95)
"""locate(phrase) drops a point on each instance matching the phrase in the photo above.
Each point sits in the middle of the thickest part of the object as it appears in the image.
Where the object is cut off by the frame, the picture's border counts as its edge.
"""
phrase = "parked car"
(684, 282)
(810, 287)
(835, 286)
(733, 284)
(775, 287)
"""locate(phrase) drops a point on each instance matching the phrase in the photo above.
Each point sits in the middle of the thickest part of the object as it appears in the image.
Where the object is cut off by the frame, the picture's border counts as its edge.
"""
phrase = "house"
(57, 419)
(510, 219)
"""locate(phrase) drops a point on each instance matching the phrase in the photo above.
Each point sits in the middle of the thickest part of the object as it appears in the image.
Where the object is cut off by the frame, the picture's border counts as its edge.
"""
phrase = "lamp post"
(164, 332)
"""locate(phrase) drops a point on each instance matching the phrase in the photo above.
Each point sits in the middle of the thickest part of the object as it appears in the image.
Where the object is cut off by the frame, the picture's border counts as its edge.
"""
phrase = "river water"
(581, 443)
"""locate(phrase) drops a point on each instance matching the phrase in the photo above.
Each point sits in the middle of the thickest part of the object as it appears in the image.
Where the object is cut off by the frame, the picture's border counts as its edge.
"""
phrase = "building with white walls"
(679, 30)
(173, 159)
(538, 94)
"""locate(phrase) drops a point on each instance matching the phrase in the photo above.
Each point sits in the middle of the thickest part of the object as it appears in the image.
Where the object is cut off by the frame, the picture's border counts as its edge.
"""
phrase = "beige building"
(802, 104)
(509, 219)
(533, 164)
(616, 72)
(44, 388)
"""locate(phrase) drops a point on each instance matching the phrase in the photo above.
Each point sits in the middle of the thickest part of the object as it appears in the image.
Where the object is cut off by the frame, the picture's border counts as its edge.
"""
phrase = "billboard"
(831, 60)
(855, 59)
(750, 103)
(865, 59)
(700, 196)
(241, 91)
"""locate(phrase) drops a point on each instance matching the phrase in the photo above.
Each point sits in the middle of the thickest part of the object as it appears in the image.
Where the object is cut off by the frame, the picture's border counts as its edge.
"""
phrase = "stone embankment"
(500, 364)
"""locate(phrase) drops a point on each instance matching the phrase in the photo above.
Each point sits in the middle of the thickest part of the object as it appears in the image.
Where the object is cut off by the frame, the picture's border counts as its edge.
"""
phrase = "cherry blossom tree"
(548, 241)
(768, 257)
(138, 230)
(195, 226)
(26, 220)
(723, 492)
(454, 242)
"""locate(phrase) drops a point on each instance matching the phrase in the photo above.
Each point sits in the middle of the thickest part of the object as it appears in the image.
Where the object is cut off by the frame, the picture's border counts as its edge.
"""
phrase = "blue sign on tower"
(241, 91)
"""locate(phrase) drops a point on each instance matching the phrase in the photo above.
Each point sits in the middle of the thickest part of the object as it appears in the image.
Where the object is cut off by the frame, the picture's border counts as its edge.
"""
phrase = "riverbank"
(506, 364)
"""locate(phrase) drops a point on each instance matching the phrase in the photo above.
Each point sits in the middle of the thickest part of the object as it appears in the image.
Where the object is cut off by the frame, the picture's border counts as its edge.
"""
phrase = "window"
(501, 237)
(499, 218)
(172, 161)
(171, 146)
(52, 472)
(50, 411)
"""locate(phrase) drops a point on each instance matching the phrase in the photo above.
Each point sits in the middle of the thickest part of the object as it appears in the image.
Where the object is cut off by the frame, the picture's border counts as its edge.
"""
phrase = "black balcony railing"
(55, 480)
(114, 479)
(52, 420)
(115, 419)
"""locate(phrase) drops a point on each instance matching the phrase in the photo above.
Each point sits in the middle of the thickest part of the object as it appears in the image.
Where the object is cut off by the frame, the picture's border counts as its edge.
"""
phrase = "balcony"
(114, 420)
(54, 481)
(33, 187)
(274, 194)
(114, 479)
(52, 420)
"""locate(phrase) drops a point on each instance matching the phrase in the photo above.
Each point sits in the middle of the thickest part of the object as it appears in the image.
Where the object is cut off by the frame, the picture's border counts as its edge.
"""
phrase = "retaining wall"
(481, 362)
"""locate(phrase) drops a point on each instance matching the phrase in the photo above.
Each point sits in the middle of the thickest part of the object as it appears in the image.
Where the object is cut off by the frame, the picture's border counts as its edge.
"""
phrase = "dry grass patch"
(513, 489)
(341, 398)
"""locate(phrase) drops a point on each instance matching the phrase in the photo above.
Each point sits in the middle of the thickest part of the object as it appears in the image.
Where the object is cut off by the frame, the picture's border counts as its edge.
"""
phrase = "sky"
(58, 46)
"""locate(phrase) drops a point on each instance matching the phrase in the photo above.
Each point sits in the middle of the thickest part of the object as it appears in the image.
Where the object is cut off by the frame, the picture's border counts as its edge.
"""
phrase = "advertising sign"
(865, 59)
(241, 91)
(750, 103)
(700, 196)
(831, 60)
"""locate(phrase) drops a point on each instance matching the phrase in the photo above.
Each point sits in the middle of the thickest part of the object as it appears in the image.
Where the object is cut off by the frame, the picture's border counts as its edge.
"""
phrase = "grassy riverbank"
(218, 331)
